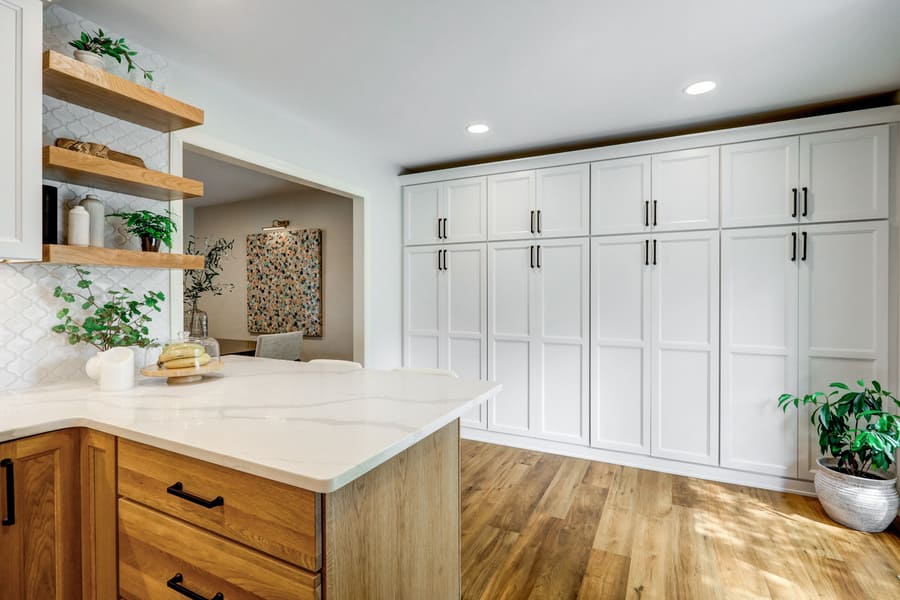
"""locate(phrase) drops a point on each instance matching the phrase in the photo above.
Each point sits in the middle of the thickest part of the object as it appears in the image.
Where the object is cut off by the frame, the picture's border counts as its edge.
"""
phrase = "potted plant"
(201, 281)
(151, 227)
(860, 437)
(90, 48)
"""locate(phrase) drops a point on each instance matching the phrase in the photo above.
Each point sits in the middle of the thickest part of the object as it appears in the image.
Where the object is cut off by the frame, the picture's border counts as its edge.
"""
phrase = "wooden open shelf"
(101, 173)
(85, 255)
(72, 81)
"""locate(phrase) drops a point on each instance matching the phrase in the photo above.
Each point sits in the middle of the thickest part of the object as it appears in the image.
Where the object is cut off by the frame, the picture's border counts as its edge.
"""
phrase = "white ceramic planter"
(857, 502)
(89, 58)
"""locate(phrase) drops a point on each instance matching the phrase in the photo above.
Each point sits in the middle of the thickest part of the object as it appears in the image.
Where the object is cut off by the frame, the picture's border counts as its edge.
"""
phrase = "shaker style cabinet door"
(845, 174)
(512, 210)
(620, 343)
(21, 39)
(685, 333)
(685, 190)
(620, 195)
(563, 201)
(422, 307)
(421, 211)
(760, 279)
(465, 210)
(760, 183)
(843, 331)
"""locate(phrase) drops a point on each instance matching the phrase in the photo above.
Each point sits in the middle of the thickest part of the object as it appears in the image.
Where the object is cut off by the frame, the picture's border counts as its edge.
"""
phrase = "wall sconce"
(277, 225)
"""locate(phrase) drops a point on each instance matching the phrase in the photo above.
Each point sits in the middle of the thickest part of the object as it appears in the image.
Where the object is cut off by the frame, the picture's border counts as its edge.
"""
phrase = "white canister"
(79, 227)
(114, 369)
(97, 219)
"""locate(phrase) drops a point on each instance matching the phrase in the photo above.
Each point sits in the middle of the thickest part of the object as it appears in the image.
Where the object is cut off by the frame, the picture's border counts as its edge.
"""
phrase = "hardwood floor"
(543, 526)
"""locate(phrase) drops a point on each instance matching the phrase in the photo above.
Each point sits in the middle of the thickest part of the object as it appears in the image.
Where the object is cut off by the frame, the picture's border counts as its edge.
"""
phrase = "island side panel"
(394, 532)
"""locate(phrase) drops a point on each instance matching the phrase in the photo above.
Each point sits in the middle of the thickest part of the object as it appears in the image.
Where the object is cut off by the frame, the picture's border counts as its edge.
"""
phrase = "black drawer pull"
(10, 518)
(794, 192)
(177, 489)
(175, 584)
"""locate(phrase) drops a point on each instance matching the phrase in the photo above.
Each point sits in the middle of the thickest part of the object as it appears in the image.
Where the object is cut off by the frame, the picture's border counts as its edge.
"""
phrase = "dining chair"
(283, 346)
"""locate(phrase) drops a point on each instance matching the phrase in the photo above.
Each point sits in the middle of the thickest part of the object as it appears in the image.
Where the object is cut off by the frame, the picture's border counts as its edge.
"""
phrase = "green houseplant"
(99, 44)
(151, 227)
(202, 281)
(859, 437)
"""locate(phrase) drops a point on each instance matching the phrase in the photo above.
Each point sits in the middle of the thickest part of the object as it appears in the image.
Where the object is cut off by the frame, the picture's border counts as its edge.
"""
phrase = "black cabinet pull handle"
(446, 268)
(804, 247)
(794, 191)
(177, 489)
(793, 246)
(175, 584)
(532, 221)
(646, 213)
(439, 260)
(532, 256)
(10, 518)
(445, 228)
(805, 201)
(654, 252)
(646, 253)
(540, 227)
(539, 257)
(654, 215)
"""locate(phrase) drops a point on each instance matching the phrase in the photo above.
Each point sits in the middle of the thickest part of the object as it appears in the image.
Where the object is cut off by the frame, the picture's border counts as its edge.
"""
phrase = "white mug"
(113, 368)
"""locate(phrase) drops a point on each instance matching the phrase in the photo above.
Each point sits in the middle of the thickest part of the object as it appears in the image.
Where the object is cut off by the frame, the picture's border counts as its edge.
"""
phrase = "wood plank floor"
(537, 525)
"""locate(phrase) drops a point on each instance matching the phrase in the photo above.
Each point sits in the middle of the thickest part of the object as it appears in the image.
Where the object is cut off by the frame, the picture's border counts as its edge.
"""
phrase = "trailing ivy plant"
(853, 426)
(145, 223)
(120, 320)
(97, 42)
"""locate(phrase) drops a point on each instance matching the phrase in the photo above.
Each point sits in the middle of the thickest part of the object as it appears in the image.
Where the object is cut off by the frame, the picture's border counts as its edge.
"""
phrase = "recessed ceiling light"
(478, 128)
(700, 87)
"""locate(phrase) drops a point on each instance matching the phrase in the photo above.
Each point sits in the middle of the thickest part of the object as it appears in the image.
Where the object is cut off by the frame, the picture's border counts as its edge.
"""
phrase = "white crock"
(857, 502)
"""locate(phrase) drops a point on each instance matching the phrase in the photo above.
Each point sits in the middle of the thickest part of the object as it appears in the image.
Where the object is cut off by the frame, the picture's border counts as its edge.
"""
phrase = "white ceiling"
(404, 77)
(224, 182)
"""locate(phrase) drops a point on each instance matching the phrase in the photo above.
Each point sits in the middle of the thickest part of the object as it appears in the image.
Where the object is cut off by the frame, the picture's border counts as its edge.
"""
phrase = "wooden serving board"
(186, 375)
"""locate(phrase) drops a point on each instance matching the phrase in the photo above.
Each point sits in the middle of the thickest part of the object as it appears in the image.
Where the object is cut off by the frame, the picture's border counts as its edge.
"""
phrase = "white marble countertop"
(313, 427)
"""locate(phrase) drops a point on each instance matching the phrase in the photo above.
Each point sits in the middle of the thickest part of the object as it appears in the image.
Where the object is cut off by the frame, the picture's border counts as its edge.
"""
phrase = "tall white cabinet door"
(563, 201)
(759, 349)
(620, 343)
(843, 329)
(421, 211)
(511, 206)
(685, 333)
(21, 38)
(685, 190)
(620, 195)
(466, 328)
(759, 183)
(465, 208)
(511, 305)
(560, 360)
(845, 174)
(423, 308)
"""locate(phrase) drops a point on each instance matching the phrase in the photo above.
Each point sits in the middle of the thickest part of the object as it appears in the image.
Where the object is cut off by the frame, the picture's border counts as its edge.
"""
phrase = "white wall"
(310, 210)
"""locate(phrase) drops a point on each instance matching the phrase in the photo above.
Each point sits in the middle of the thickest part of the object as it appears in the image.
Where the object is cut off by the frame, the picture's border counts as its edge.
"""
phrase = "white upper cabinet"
(20, 129)
(760, 182)
(844, 174)
(450, 211)
(563, 201)
(512, 210)
(685, 190)
(620, 195)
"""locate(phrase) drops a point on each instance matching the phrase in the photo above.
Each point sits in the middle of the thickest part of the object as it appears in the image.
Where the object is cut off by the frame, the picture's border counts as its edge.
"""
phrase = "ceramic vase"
(858, 502)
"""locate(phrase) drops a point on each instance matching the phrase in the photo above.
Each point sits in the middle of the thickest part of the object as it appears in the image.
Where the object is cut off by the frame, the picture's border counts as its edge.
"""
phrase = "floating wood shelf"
(83, 169)
(84, 255)
(67, 79)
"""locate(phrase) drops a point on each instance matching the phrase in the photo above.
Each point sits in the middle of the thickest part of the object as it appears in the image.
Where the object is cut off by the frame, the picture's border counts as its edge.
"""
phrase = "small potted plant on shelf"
(90, 48)
(860, 437)
(151, 227)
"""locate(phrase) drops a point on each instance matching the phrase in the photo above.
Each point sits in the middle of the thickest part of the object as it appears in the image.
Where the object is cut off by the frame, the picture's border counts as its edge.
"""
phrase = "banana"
(183, 350)
(185, 363)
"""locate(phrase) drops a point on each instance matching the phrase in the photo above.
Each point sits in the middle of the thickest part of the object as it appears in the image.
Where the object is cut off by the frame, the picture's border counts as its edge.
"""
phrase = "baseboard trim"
(720, 474)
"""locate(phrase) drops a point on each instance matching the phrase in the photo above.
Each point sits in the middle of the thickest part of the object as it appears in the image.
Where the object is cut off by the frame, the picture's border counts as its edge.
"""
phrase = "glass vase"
(199, 322)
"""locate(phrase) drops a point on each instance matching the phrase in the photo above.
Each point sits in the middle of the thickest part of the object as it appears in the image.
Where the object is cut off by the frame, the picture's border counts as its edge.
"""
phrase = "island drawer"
(160, 555)
(269, 516)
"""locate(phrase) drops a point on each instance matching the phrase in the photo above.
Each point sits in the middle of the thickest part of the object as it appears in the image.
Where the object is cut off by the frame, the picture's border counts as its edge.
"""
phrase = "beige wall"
(314, 209)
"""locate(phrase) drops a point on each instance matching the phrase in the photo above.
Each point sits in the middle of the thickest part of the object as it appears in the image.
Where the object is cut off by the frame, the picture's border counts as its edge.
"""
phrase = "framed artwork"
(284, 282)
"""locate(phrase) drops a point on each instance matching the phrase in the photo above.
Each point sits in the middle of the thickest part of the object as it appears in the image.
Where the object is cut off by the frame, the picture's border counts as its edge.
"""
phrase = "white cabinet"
(844, 174)
(446, 312)
(685, 188)
(20, 129)
(620, 195)
(538, 340)
(685, 341)
(450, 211)
(843, 312)
(547, 203)
(759, 348)
(759, 182)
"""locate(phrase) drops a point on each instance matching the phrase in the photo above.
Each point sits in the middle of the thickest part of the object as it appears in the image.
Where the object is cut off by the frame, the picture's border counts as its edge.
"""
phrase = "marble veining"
(296, 423)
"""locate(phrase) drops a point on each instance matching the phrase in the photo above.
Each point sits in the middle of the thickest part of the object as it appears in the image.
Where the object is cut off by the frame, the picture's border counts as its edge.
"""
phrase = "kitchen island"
(275, 480)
